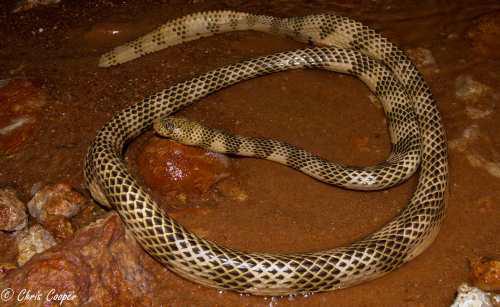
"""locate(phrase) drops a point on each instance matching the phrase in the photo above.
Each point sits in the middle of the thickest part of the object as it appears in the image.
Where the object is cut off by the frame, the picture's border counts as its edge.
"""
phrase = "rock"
(33, 241)
(12, 211)
(54, 205)
(471, 297)
(178, 172)
(25, 5)
(56, 200)
(100, 266)
(22, 102)
(361, 143)
(484, 34)
(485, 273)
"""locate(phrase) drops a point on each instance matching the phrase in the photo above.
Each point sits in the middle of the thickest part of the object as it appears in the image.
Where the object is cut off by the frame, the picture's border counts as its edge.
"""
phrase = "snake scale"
(349, 47)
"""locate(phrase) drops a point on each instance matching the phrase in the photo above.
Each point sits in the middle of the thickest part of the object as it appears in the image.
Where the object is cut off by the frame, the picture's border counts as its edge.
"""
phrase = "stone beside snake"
(353, 49)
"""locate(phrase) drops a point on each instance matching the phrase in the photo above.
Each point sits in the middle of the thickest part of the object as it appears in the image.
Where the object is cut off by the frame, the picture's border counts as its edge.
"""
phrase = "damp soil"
(329, 114)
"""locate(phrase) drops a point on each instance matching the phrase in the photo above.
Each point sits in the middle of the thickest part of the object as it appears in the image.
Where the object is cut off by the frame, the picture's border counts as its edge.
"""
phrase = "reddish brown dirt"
(326, 113)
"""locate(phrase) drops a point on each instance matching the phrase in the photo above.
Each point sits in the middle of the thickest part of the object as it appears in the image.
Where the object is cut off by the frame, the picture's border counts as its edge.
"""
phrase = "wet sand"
(327, 113)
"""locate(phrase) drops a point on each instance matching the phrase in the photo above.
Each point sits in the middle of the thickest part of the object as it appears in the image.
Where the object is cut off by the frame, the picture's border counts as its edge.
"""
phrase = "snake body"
(352, 48)
(402, 162)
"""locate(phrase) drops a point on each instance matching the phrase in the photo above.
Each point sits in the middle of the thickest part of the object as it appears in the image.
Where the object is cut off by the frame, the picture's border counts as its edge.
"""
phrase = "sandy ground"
(329, 114)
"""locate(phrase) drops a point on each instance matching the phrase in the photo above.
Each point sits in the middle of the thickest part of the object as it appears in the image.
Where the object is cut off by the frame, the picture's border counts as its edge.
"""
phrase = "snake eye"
(169, 125)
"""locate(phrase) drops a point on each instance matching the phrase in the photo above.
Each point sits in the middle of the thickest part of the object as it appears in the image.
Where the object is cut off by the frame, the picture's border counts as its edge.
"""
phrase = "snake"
(401, 164)
(338, 43)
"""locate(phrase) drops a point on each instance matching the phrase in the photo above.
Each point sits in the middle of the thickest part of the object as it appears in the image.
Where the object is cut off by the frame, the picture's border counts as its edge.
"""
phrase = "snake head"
(176, 128)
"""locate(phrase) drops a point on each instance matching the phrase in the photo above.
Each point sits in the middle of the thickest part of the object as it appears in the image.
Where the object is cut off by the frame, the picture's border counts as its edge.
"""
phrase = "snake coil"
(351, 48)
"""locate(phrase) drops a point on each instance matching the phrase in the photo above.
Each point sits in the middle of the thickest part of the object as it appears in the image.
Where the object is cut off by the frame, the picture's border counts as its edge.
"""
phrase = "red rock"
(361, 143)
(484, 35)
(22, 102)
(56, 200)
(485, 273)
(100, 266)
(12, 211)
(180, 172)
(54, 205)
